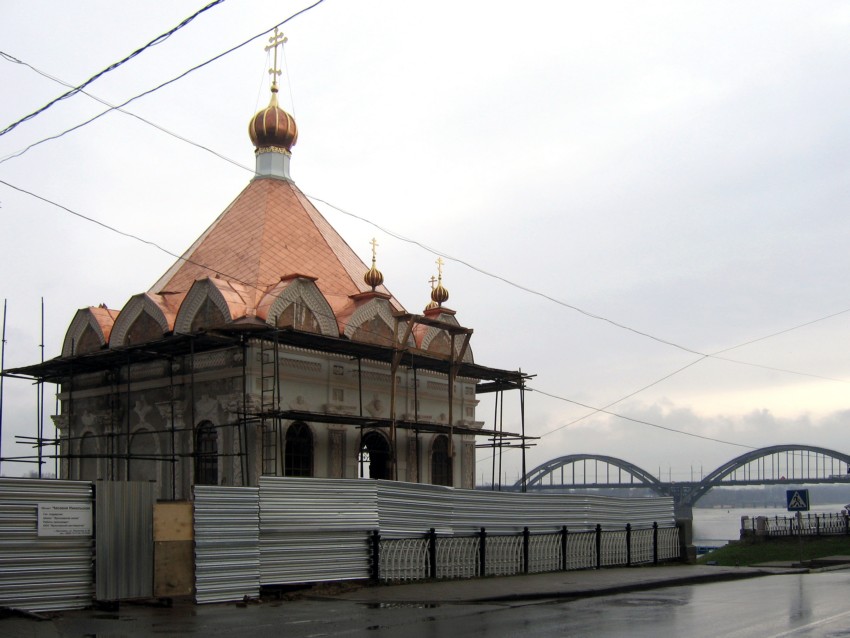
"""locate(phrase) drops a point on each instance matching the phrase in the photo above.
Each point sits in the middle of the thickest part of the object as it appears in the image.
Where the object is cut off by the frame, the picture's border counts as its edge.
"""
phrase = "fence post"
(598, 545)
(376, 555)
(526, 537)
(564, 548)
(628, 544)
(847, 524)
(432, 553)
(482, 552)
(655, 542)
(817, 525)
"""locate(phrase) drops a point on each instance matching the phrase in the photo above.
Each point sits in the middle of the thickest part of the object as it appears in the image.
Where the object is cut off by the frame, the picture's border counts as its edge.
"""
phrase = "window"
(298, 457)
(206, 454)
(374, 457)
(441, 462)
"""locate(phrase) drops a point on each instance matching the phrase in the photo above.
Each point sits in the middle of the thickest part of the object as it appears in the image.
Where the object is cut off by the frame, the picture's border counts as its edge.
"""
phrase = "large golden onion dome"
(272, 128)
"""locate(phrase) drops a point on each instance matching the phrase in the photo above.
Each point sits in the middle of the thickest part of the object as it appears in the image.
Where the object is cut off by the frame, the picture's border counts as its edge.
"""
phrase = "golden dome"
(439, 295)
(272, 128)
(373, 277)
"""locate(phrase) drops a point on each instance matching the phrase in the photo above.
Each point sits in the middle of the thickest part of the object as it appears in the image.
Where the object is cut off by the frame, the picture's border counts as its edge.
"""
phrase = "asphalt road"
(811, 605)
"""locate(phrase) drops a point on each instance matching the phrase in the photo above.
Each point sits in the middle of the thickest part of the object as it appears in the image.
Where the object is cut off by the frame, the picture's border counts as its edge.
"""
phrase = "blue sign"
(798, 500)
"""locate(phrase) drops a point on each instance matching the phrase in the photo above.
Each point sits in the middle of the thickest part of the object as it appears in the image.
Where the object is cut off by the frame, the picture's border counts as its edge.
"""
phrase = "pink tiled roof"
(270, 230)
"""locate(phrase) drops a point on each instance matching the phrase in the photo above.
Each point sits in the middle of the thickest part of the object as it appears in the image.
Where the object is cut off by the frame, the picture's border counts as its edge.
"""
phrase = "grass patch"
(778, 549)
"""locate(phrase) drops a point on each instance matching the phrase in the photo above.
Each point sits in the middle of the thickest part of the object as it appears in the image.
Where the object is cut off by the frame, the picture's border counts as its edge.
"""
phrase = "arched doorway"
(206, 454)
(441, 462)
(298, 454)
(374, 458)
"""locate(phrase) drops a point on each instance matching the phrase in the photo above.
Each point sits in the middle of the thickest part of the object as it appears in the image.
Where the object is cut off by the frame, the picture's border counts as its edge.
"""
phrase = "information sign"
(64, 519)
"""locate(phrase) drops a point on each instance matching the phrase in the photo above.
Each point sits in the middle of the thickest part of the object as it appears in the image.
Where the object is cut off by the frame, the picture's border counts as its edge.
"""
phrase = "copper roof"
(271, 230)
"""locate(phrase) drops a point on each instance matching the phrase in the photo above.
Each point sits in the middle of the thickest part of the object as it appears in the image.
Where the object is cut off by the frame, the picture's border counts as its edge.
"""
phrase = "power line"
(642, 422)
(126, 112)
(74, 90)
(156, 88)
(460, 261)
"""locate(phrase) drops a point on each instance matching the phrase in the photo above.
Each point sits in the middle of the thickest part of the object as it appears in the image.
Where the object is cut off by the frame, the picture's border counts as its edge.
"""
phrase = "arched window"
(441, 462)
(374, 457)
(206, 454)
(298, 457)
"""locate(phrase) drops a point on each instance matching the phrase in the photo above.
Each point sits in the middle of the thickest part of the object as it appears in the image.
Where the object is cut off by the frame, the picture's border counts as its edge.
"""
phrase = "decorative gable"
(298, 303)
(89, 331)
(140, 321)
(203, 308)
(374, 323)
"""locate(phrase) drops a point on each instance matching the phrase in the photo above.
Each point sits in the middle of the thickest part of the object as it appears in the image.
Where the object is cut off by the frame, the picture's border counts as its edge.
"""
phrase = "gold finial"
(278, 39)
(439, 295)
(373, 276)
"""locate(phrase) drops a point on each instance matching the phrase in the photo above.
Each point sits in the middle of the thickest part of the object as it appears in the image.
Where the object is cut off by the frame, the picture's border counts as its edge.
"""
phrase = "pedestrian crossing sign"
(798, 500)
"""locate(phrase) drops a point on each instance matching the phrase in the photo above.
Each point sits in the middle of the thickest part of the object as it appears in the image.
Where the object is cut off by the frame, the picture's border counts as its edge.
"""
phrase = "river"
(714, 527)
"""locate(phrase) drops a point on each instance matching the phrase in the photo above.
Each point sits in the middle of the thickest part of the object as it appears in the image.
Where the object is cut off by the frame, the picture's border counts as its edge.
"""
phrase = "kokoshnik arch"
(270, 348)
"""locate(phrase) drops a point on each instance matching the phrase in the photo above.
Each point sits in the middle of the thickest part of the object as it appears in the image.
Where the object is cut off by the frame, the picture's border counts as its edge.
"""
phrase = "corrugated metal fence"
(315, 529)
(227, 543)
(124, 545)
(44, 572)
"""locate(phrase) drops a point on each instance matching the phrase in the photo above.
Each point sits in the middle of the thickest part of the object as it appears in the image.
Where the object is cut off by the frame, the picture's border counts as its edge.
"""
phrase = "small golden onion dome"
(439, 295)
(431, 305)
(272, 128)
(373, 277)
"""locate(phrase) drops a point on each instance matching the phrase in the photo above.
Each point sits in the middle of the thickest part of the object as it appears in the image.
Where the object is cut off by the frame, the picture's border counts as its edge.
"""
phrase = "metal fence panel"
(124, 553)
(315, 529)
(410, 509)
(42, 573)
(404, 559)
(642, 551)
(544, 553)
(509, 512)
(668, 543)
(457, 557)
(227, 543)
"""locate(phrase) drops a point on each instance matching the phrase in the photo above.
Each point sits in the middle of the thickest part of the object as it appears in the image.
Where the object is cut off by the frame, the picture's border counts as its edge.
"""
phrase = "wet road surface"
(811, 605)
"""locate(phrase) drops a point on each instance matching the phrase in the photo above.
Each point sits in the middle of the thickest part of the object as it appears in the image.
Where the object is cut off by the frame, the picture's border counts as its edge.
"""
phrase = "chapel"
(270, 348)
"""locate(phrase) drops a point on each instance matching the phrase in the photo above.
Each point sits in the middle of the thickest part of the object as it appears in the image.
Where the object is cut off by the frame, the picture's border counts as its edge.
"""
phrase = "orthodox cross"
(439, 263)
(278, 39)
(374, 243)
(432, 281)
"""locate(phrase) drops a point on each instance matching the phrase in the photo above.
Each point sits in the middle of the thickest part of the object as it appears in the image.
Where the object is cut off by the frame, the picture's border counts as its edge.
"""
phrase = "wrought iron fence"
(483, 554)
(807, 525)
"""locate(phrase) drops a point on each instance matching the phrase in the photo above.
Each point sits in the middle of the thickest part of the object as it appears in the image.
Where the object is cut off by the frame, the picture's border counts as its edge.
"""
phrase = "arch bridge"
(774, 465)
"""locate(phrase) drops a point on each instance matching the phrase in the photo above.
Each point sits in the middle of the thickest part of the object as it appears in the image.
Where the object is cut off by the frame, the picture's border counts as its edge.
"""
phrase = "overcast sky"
(625, 186)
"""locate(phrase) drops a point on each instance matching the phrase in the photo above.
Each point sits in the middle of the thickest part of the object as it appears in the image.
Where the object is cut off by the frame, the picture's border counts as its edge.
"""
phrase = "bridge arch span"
(635, 476)
(781, 470)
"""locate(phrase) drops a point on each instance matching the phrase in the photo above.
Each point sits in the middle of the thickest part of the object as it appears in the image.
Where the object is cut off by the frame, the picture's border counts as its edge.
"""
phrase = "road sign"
(798, 500)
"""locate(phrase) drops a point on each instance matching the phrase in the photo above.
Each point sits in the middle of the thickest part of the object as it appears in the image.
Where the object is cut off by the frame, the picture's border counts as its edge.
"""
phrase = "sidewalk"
(573, 584)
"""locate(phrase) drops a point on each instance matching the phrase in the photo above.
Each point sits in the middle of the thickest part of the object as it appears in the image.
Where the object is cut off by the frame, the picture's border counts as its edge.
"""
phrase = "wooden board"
(173, 521)
(174, 568)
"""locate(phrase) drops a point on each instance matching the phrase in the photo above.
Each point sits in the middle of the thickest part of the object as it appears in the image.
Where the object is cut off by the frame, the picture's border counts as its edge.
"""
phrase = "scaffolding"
(269, 414)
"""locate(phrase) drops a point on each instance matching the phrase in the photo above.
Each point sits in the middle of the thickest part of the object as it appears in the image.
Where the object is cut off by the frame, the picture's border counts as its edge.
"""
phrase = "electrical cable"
(642, 422)
(160, 86)
(543, 392)
(471, 266)
(74, 90)
(128, 113)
